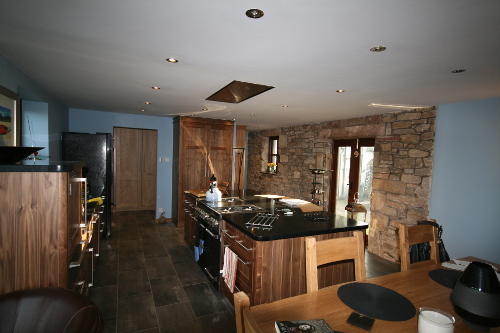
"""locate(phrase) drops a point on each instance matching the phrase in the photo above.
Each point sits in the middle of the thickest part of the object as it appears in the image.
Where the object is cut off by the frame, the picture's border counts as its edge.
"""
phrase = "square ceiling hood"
(238, 91)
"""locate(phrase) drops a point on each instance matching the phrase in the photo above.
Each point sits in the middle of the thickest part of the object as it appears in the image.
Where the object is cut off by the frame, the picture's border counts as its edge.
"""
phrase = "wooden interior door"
(135, 168)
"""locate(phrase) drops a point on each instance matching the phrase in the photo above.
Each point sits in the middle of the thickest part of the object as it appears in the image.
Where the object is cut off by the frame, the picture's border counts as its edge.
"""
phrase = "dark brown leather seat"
(54, 310)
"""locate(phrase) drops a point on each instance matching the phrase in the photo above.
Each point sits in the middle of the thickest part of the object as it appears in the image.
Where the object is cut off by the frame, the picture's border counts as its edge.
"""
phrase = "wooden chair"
(245, 323)
(415, 234)
(331, 250)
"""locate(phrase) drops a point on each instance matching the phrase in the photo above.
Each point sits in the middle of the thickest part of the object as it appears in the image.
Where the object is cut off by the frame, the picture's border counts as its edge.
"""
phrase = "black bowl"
(12, 155)
(476, 296)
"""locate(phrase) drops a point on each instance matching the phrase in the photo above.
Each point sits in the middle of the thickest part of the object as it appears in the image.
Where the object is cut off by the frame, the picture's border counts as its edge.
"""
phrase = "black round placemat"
(376, 301)
(445, 277)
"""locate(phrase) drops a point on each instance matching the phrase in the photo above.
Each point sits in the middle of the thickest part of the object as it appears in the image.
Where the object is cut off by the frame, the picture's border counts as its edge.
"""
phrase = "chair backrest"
(415, 234)
(42, 310)
(332, 250)
(245, 323)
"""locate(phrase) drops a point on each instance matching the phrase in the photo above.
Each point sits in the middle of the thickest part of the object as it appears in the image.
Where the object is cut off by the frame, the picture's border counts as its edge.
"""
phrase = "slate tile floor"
(146, 280)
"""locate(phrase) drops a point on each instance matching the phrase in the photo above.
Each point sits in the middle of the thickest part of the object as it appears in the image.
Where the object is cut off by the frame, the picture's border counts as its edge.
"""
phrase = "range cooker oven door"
(209, 259)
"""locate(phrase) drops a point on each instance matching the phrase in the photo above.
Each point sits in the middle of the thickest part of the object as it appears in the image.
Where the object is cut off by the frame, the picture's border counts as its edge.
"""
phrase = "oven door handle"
(209, 232)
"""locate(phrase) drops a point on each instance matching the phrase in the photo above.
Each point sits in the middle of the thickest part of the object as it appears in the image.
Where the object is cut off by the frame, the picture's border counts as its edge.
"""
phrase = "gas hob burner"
(238, 209)
(315, 217)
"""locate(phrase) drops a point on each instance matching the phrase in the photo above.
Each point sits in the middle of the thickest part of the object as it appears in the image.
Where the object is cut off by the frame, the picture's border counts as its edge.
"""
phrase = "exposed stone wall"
(404, 149)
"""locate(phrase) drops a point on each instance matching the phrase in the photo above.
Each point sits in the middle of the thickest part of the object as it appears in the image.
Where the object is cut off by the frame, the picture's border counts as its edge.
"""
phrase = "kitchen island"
(271, 261)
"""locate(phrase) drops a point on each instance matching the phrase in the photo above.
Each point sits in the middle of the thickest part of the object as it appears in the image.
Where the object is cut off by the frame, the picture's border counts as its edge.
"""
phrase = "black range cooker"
(208, 232)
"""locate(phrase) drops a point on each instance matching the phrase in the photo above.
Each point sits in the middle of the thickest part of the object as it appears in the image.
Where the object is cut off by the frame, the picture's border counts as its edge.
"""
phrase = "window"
(273, 156)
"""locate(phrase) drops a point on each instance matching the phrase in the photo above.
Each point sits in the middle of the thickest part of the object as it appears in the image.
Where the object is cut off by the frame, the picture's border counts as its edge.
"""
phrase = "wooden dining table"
(415, 285)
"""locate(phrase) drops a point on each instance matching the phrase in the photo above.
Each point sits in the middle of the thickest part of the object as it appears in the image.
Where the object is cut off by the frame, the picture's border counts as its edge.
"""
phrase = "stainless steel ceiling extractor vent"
(237, 91)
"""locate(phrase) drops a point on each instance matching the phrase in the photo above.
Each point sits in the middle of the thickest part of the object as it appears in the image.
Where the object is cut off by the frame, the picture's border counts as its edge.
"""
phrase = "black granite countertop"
(298, 224)
(42, 166)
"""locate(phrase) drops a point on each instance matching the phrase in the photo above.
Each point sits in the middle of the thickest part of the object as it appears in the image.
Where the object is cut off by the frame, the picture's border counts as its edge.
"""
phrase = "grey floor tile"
(169, 319)
(133, 283)
(171, 241)
(190, 273)
(129, 233)
(159, 267)
(108, 255)
(154, 250)
(132, 261)
(150, 237)
(180, 254)
(136, 313)
(106, 300)
(220, 322)
(130, 246)
(167, 290)
(203, 299)
(105, 275)
(108, 325)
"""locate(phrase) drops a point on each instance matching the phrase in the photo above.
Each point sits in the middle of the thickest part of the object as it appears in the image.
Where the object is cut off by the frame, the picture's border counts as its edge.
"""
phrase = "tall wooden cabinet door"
(195, 170)
(148, 183)
(220, 138)
(128, 166)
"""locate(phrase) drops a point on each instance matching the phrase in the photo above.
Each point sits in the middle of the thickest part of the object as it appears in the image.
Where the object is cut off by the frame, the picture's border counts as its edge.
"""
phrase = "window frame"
(273, 157)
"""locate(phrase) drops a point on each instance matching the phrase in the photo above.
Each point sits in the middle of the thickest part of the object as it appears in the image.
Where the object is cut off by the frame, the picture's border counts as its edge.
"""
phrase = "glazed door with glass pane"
(352, 173)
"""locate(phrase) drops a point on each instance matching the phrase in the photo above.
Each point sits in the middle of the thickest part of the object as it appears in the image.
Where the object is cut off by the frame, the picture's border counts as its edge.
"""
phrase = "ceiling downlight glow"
(155, 88)
(254, 13)
(340, 90)
(378, 49)
(172, 60)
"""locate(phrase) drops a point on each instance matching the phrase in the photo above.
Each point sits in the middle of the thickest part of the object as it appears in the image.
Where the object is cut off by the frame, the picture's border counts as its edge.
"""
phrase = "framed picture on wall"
(10, 118)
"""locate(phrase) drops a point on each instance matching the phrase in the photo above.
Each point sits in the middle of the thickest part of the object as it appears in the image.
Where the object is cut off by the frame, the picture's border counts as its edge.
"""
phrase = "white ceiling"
(107, 54)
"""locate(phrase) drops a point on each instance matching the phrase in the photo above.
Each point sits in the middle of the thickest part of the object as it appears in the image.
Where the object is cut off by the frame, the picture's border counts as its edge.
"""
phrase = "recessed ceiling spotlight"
(172, 60)
(234, 119)
(155, 88)
(284, 106)
(204, 109)
(378, 49)
(458, 71)
(148, 103)
(340, 90)
(252, 114)
(143, 110)
(254, 13)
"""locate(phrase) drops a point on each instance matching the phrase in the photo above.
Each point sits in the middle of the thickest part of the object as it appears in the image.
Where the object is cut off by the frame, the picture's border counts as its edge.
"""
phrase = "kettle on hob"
(214, 194)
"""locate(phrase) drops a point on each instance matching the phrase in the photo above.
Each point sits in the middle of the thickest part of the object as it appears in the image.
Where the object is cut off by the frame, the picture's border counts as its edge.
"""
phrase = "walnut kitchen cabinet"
(268, 271)
(202, 147)
(45, 240)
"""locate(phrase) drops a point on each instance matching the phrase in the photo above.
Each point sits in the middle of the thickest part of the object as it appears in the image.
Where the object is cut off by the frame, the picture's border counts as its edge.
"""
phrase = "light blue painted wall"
(56, 113)
(36, 126)
(88, 121)
(465, 194)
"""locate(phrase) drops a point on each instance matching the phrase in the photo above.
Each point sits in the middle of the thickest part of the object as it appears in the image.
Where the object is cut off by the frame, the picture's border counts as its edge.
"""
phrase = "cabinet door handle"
(82, 255)
(243, 246)
(238, 257)
(209, 275)
(209, 232)
(227, 234)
